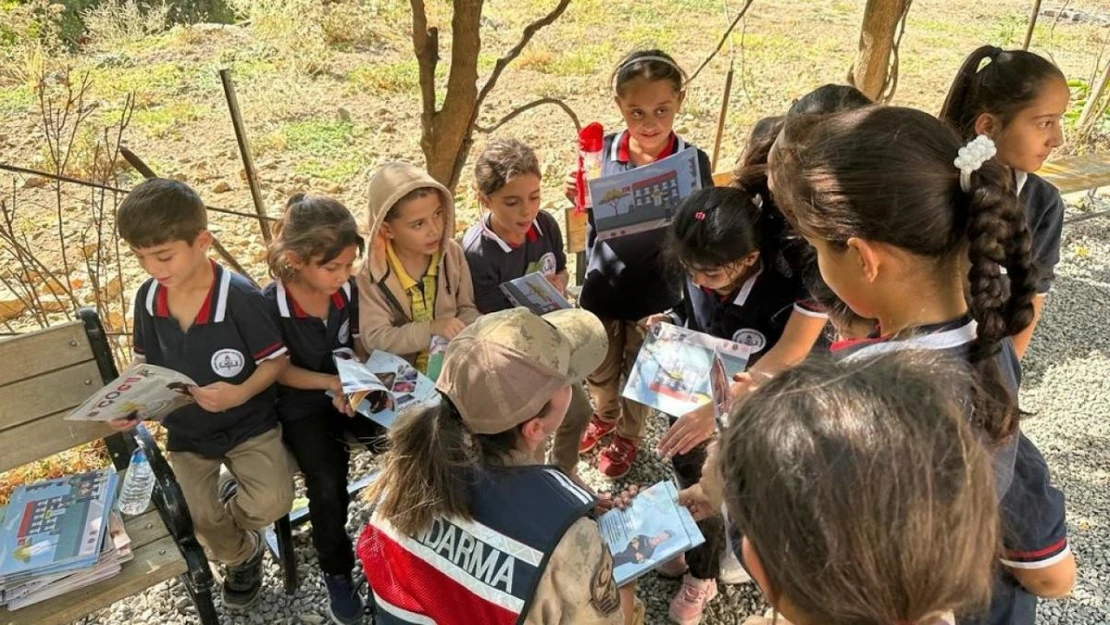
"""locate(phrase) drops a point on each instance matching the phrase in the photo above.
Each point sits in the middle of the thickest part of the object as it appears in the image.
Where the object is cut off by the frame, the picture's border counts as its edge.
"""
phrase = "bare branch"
(527, 107)
(503, 62)
(721, 43)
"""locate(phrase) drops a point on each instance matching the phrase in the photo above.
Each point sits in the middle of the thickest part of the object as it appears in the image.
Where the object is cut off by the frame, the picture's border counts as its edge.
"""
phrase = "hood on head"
(388, 185)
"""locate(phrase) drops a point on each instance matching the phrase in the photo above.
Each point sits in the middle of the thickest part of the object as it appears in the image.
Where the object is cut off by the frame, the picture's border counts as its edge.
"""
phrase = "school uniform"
(232, 334)
(313, 430)
(755, 314)
(494, 261)
(1034, 529)
(627, 280)
(1044, 213)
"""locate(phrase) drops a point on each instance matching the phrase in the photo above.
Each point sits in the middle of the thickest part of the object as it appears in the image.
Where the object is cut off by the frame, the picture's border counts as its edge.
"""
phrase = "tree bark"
(876, 42)
(447, 133)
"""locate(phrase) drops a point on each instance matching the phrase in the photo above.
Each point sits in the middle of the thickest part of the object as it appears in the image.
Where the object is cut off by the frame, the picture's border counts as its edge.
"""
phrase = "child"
(1017, 99)
(513, 239)
(415, 283)
(315, 300)
(829, 98)
(626, 279)
(827, 537)
(955, 228)
(195, 317)
(737, 289)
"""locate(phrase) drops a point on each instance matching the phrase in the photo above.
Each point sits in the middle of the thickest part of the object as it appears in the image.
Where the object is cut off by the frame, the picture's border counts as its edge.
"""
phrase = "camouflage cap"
(502, 369)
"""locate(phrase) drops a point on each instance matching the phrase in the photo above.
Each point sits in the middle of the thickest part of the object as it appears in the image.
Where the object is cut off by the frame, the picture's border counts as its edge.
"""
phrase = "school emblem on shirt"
(547, 264)
(752, 338)
(227, 363)
(344, 331)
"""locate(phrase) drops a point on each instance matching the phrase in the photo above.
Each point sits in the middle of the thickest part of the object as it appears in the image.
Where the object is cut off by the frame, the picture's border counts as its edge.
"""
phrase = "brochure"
(535, 293)
(644, 198)
(391, 385)
(436, 351)
(672, 370)
(718, 387)
(654, 529)
(55, 525)
(149, 391)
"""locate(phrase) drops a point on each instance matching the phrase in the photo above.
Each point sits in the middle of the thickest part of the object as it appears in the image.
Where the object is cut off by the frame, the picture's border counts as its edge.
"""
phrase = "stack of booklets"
(60, 535)
(651, 531)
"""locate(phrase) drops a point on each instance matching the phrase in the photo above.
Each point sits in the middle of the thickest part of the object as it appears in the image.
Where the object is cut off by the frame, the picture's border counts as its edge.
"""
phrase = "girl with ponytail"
(1017, 98)
(912, 231)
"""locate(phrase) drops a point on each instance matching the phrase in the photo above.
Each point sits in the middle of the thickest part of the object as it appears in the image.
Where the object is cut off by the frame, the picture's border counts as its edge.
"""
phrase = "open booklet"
(535, 293)
(672, 370)
(145, 390)
(383, 386)
(654, 529)
(644, 198)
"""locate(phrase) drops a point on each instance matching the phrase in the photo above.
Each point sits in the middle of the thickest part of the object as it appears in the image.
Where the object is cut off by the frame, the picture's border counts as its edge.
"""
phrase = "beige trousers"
(606, 383)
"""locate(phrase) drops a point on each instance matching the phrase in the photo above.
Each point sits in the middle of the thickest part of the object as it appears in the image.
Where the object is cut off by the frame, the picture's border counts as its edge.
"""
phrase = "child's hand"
(448, 328)
(123, 424)
(219, 396)
(651, 320)
(691, 430)
(697, 502)
(343, 405)
(559, 281)
(624, 498)
(570, 186)
(334, 386)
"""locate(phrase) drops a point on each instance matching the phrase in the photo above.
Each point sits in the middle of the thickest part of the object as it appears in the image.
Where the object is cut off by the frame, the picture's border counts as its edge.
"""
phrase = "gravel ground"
(1066, 386)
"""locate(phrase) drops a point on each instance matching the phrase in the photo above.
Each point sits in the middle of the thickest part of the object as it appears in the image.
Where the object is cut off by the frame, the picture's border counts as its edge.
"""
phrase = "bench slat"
(145, 528)
(153, 563)
(29, 355)
(49, 393)
(1078, 173)
(45, 437)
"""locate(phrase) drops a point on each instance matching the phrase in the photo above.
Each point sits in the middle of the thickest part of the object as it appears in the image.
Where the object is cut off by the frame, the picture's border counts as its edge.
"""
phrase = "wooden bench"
(1079, 173)
(45, 376)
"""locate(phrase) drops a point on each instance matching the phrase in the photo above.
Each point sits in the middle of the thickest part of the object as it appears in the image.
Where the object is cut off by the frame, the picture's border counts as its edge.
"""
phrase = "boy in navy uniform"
(197, 318)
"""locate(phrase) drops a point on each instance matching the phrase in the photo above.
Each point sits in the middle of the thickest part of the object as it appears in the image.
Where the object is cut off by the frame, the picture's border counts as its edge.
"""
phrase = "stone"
(35, 182)
(343, 114)
(221, 187)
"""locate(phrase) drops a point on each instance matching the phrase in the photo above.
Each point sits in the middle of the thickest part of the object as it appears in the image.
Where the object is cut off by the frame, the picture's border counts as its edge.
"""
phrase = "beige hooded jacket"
(385, 310)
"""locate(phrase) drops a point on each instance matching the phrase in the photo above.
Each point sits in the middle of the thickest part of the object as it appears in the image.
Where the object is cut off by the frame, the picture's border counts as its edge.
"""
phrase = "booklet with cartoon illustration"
(145, 390)
(672, 370)
(534, 292)
(644, 198)
(654, 529)
(383, 386)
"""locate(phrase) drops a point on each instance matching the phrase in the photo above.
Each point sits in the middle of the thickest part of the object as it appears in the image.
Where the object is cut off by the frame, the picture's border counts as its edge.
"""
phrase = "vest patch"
(752, 338)
(481, 561)
(227, 363)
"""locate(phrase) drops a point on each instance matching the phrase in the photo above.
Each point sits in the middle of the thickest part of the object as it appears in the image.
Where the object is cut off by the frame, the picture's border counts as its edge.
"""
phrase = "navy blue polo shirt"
(311, 342)
(233, 333)
(627, 277)
(1044, 213)
(493, 261)
(754, 315)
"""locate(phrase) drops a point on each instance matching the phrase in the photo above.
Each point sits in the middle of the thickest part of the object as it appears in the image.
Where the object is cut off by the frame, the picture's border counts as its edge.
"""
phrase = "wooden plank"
(145, 528)
(30, 399)
(575, 228)
(722, 178)
(1078, 173)
(28, 355)
(153, 563)
(46, 437)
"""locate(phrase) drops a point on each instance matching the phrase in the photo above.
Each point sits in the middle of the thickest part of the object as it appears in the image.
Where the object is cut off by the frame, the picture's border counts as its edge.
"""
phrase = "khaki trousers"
(564, 445)
(607, 382)
(265, 494)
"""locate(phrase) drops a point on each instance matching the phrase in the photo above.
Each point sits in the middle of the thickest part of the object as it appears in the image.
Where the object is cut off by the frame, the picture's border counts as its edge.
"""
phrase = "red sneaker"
(617, 458)
(595, 431)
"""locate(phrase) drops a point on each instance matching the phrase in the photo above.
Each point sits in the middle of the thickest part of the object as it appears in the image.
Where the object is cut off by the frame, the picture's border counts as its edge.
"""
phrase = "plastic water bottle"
(138, 483)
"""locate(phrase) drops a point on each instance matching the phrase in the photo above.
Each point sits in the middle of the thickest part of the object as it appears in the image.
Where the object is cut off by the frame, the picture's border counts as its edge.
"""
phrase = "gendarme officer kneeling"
(467, 529)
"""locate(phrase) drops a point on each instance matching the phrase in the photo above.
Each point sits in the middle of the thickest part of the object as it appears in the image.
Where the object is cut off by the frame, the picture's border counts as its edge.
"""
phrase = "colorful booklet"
(644, 198)
(384, 385)
(672, 370)
(56, 525)
(535, 293)
(148, 391)
(719, 382)
(654, 529)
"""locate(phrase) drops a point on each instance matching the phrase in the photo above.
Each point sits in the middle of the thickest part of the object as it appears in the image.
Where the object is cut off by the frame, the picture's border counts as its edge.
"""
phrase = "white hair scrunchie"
(971, 157)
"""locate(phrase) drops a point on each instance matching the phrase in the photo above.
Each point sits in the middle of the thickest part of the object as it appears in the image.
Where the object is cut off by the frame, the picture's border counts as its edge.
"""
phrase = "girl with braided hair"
(905, 237)
(1017, 99)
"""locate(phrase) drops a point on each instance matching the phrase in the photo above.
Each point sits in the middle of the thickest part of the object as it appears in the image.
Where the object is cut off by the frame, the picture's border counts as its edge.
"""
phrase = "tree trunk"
(876, 42)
